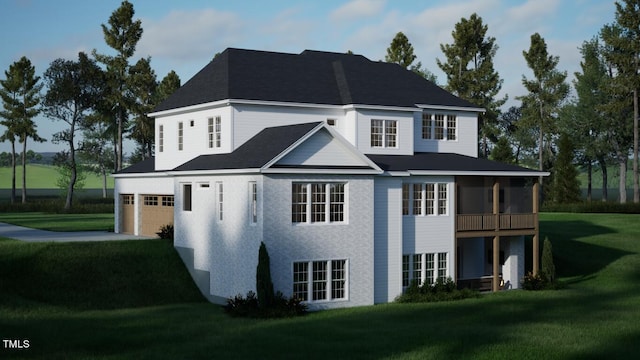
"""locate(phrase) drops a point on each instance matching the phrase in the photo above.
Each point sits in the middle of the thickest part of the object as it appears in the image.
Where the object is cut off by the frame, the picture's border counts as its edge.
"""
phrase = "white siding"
(431, 233)
(161, 185)
(466, 144)
(228, 249)
(321, 149)
(388, 239)
(288, 242)
(404, 131)
(196, 138)
(251, 119)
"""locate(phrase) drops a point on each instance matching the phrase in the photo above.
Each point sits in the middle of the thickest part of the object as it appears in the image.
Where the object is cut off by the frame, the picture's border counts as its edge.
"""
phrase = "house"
(359, 176)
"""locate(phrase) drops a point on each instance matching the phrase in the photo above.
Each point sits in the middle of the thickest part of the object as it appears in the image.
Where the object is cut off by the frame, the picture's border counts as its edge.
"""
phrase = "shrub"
(533, 282)
(264, 285)
(548, 271)
(442, 290)
(166, 232)
(282, 306)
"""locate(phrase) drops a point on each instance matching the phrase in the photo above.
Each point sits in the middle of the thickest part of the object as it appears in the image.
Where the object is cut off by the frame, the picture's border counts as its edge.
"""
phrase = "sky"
(185, 35)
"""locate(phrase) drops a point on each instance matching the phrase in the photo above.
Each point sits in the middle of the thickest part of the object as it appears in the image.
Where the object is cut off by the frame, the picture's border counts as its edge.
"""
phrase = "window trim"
(180, 136)
(313, 286)
(431, 129)
(385, 135)
(425, 199)
(316, 203)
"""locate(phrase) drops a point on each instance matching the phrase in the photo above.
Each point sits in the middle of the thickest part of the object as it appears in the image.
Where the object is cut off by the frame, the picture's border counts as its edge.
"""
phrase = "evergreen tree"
(73, 88)
(143, 85)
(502, 152)
(400, 52)
(547, 90)
(167, 86)
(20, 93)
(548, 269)
(264, 285)
(471, 75)
(566, 188)
(521, 138)
(122, 35)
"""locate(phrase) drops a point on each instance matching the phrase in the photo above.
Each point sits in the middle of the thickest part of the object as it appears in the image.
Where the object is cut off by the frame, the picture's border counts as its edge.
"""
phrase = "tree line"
(102, 97)
(551, 128)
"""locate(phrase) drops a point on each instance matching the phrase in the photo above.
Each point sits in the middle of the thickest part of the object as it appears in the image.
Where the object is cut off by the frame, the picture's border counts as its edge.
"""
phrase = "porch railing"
(486, 222)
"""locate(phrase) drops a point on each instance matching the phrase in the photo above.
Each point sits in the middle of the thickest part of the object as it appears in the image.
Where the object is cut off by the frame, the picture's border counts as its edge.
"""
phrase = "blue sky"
(184, 35)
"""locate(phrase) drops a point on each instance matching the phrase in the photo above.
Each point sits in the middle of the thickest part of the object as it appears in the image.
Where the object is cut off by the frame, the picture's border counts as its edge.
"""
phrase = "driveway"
(35, 235)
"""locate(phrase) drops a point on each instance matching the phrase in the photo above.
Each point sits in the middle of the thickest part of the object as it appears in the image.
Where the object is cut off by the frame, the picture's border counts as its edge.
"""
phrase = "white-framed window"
(161, 138)
(253, 202)
(425, 199)
(384, 133)
(220, 199)
(320, 280)
(439, 126)
(423, 268)
(215, 132)
(318, 202)
(180, 135)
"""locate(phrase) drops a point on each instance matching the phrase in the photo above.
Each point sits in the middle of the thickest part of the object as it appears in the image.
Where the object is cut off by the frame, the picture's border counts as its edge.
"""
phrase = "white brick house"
(359, 177)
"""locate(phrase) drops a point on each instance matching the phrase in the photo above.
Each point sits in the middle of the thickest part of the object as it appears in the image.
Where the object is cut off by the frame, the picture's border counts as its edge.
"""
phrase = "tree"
(20, 96)
(400, 52)
(471, 75)
(167, 86)
(548, 269)
(143, 85)
(547, 90)
(94, 150)
(122, 35)
(73, 88)
(521, 138)
(625, 39)
(566, 188)
(502, 152)
(264, 285)
(619, 106)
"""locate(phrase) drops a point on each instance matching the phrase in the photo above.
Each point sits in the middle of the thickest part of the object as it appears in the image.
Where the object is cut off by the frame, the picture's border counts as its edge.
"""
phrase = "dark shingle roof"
(446, 162)
(310, 77)
(254, 153)
(144, 166)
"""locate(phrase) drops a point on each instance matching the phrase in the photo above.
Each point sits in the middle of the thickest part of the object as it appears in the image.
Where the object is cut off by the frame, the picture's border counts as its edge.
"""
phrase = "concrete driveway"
(35, 235)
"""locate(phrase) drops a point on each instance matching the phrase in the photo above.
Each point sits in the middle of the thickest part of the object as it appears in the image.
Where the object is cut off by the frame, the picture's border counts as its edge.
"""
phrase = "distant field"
(45, 177)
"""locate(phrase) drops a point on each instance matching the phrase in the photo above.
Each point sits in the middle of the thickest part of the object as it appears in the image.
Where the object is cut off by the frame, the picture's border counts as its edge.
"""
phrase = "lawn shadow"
(576, 255)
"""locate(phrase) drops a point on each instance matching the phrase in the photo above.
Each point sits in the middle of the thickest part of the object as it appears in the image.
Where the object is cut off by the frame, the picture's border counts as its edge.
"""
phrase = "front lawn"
(596, 316)
(60, 222)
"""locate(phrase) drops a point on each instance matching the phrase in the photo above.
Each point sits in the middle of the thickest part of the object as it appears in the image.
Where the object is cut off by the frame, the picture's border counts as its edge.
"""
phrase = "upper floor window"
(215, 132)
(384, 133)
(220, 194)
(180, 135)
(318, 202)
(186, 197)
(424, 199)
(439, 127)
(161, 138)
(253, 202)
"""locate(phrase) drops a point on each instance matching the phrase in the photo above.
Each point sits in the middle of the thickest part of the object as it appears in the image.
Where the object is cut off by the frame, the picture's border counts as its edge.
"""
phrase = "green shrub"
(442, 290)
(548, 271)
(166, 232)
(533, 282)
(282, 306)
(593, 207)
(264, 285)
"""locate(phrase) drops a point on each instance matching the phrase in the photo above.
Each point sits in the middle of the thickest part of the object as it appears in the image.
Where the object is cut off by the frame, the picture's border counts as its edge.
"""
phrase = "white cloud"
(190, 35)
(289, 30)
(357, 9)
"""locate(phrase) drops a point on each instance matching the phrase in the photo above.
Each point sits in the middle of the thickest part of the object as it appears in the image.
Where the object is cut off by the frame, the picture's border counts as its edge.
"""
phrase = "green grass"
(88, 301)
(44, 177)
(60, 222)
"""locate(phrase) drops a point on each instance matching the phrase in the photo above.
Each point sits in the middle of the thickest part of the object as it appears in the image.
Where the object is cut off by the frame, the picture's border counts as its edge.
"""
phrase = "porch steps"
(200, 277)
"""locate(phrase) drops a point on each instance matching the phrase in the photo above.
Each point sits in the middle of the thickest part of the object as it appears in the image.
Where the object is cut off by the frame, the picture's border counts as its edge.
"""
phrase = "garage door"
(128, 211)
(157, 210)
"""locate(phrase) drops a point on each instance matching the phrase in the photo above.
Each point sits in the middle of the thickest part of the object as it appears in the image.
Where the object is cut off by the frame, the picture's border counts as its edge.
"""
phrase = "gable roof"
(449, 164)
(312, 77)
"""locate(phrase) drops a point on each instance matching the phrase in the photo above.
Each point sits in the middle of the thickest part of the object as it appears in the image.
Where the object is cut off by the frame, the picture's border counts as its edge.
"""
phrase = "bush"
(533, 282)
(442, 290)
(593, 207)
(282, 306)
(166, 232)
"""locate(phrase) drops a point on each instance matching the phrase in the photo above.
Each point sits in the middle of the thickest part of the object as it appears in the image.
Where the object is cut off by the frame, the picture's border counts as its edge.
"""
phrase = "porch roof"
(449, 164)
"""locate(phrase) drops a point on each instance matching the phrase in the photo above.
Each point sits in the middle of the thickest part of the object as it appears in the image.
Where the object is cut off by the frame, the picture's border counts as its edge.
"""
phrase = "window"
(215, 132)
(167, 200)
(180, 135)
(186, 197)
(439, 127)
(150, 200)
(324, 202)
(405, 199)
(384, 133)
(331, 122)
(191, 123)
(220, 190)
(161, 138)
(422, 268)
(425, 199)
(128, 199)
(253, 202)
(203, 185)
(320, 280)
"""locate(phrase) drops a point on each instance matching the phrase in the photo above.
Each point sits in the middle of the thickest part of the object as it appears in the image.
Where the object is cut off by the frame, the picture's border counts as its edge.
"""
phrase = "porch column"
(496, 239)
(536, 236)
